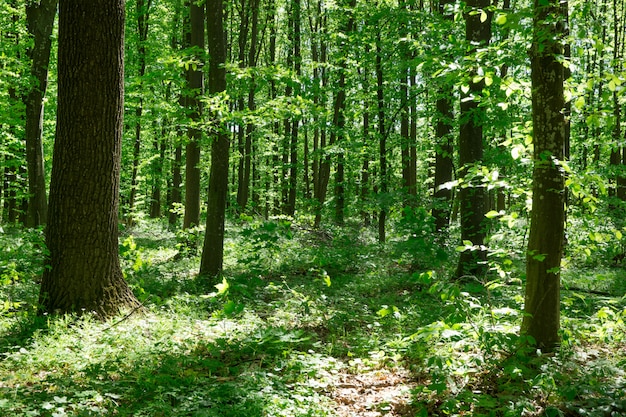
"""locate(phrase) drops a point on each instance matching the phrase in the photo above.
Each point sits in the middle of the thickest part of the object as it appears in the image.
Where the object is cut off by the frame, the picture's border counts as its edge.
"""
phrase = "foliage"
(287, 338)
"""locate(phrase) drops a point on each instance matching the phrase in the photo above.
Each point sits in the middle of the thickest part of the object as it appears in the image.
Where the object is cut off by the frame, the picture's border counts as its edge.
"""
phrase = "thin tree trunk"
(444, 149)
(382, 141)
(40, 20)
(160, 147)
(175, 188)
(293, 145)
(195, 78)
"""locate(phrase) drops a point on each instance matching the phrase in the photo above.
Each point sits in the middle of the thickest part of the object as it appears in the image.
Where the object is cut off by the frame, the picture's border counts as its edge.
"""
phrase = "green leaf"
(231, 308)
(580, 102)
(491, 214)
(483, 16)
(612, 86)
(223, 287)
(501, 19)
(326, 279)
(383, 312)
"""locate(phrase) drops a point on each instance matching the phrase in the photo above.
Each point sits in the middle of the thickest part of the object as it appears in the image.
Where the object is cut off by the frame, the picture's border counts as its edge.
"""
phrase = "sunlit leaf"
(222, 288)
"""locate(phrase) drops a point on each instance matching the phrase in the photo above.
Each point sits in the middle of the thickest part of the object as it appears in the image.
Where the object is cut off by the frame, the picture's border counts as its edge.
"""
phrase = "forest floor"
(307, 323)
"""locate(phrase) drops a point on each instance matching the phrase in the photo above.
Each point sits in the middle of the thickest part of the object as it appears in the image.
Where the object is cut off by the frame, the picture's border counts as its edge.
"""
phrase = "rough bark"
(83, 273)
(444, 148)
(472, 198)
(40, 20)
(213, 248)
(543, 260)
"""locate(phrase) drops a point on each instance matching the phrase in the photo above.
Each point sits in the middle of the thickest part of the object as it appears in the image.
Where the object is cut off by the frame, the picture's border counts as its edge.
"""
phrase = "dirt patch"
(375, 393)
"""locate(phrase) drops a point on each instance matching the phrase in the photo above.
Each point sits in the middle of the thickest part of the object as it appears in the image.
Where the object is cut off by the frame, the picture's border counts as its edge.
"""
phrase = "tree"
(195, 79)
(444, 164)
(472, 198)
(143, 20)
(382, 139)
(40, 20)
(245, 143)
(83, 272)
(545, 244)
(213, 248)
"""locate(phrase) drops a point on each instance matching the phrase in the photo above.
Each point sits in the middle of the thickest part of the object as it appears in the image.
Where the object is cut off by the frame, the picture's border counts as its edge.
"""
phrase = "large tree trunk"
(545, 244)
(83, 273)
(472, 196)
(40, 20)
(213, 249)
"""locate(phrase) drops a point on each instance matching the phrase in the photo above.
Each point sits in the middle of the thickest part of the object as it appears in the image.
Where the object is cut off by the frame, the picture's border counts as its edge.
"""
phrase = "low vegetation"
(313, 323)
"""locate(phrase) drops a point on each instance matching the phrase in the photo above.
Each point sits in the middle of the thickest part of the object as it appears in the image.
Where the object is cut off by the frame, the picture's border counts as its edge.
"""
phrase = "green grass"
(311, 324)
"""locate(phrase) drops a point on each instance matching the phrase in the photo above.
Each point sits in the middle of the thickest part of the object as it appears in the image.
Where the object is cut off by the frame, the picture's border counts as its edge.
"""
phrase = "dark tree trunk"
(160, 146)
(444, 165)
(340, 117)
(444, 148)
(143, 15)
(83, 273)
(545, 244)
(472, 197)
(617, 152)
(407, 145)
(195, 81)
(242, 184)
(40, 20)
(321, 164)
(10, 212)
(175, 198)
(13, 158)
(295, 124)
(337, 133)
(382, 141)
(213, 249)
(245, 149)
(365, 188)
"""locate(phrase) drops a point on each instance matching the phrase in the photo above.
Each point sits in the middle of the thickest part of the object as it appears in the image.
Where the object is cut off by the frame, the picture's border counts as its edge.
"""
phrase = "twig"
(140, 306)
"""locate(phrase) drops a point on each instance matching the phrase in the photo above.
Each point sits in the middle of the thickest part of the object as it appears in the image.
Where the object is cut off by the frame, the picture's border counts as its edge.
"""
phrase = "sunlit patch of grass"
(287, 328)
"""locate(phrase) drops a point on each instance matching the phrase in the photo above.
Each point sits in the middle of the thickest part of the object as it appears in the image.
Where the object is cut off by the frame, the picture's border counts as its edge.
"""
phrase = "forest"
(229, 208)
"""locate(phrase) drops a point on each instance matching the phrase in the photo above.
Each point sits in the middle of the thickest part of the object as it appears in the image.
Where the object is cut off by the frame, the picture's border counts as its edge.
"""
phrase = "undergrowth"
(301, 314)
